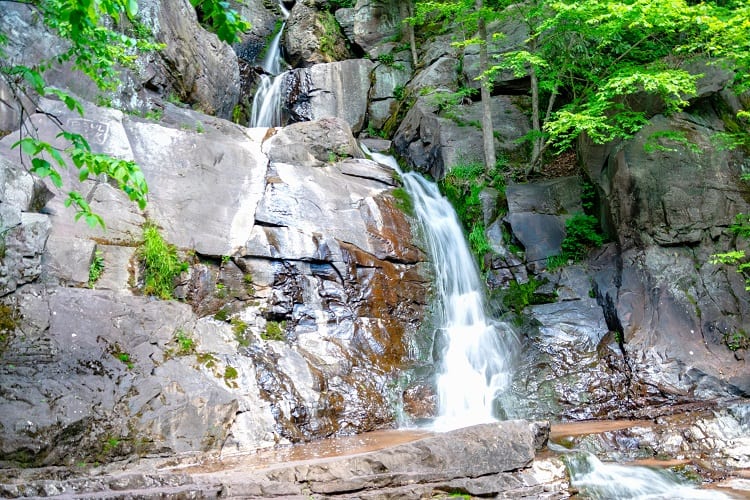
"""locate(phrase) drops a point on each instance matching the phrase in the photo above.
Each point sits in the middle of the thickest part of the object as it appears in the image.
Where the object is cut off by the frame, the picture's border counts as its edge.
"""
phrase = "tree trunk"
(407, 10)
(484, 63)
(535, 123)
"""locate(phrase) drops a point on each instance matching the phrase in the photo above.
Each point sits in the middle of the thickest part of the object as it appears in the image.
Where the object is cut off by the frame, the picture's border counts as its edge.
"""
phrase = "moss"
(403, 201)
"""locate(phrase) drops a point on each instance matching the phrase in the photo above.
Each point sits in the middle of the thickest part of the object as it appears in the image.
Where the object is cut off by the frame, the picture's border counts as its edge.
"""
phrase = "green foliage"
(230, 375)
(123, 357)
(341, 4)
(462, 186)
(219, 17)
(96, 268)
(161, 263)
(447, 101)
(90, 165)
(520, 295)
(403, 200)
(239, 328)
(740, 228)
(386, 59)
(274, 331)
(581, 236)
(185, 343)
(399, 92)
(668, 140)
(737, 340)
(330, 33)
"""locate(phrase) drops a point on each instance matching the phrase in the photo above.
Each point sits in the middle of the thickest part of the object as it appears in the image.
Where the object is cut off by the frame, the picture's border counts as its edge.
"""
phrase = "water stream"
(266, 107)
(475, 365)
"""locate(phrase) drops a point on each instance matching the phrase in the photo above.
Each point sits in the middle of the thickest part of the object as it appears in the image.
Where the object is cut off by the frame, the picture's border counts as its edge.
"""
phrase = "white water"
(475, 367)
(598, 480)
(266, 108)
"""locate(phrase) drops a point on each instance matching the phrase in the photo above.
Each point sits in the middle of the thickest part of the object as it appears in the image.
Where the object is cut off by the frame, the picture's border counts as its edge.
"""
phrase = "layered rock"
(433, 144)
(297, 326)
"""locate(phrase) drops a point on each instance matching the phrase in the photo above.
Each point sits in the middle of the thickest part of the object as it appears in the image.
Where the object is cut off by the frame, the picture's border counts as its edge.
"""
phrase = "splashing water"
(475, 368)
(266, 107)
(598, 480)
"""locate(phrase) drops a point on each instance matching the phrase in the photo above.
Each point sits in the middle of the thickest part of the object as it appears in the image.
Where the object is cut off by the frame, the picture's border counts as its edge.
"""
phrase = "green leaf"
(131, 7)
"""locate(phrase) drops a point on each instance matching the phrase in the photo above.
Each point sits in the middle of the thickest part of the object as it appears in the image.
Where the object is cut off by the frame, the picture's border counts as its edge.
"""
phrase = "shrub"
(160, 262)
(96, 268)
(581, 236)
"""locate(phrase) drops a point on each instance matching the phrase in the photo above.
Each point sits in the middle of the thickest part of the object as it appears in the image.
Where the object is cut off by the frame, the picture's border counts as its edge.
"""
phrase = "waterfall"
(600, 480)
(266, 108)
(475, 367)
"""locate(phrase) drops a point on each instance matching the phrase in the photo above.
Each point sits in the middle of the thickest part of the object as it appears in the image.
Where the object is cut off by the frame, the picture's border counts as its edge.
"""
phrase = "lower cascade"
(599, 480)
(476, 353)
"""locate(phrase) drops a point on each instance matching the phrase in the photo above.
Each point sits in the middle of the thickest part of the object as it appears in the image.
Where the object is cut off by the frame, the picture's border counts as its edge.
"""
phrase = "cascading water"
(476, 360)
(266, 108)
(598, 480)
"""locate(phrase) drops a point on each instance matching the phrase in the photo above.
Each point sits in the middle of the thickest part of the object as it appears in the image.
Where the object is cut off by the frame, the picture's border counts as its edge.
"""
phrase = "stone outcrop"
(433, 144)
(194, 65)
(313, 37)
(297, 328)
(337, 89)
(370, 21)
(490, 459)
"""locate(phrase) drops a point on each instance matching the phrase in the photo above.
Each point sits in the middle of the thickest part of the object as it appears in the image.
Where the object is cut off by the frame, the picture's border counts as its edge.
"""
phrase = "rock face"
(313, 37)
(337, 89)
(297, 329)
(194, 65)
(370, 21)
(432, 143)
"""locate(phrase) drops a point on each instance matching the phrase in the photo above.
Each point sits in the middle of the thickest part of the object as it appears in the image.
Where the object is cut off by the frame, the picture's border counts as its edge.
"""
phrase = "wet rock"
(313, 143)
(537, 214)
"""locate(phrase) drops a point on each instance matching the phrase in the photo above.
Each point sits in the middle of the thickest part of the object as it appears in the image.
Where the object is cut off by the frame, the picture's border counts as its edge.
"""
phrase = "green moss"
(403, 201)
(206, 359)
(518, 296)
(185, 342)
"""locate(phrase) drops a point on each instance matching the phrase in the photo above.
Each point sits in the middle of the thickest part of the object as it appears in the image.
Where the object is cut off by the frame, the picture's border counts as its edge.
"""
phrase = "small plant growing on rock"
(96, 268)
(185, 342)
(274, 331)
(161, 263)
(230, 375)
(239, 328)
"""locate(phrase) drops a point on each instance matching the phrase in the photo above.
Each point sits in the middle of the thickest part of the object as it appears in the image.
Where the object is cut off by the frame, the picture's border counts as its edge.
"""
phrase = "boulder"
(208, 72)
(668, 205)
(313, 37)
(370, 22)
(206, 79)
(337, 89)
(432, 143)
(537, 213)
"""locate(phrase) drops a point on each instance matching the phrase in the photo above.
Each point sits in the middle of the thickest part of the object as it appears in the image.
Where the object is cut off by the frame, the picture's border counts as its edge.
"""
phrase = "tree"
(97, 51)
(472, 16)
(599, 55)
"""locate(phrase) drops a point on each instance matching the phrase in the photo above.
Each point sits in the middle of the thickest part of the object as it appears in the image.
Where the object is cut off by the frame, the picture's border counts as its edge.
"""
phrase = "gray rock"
(338, 89)
(537, 213)
(434, 144)
(313, 37)
(373, 21)
(313, 143)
